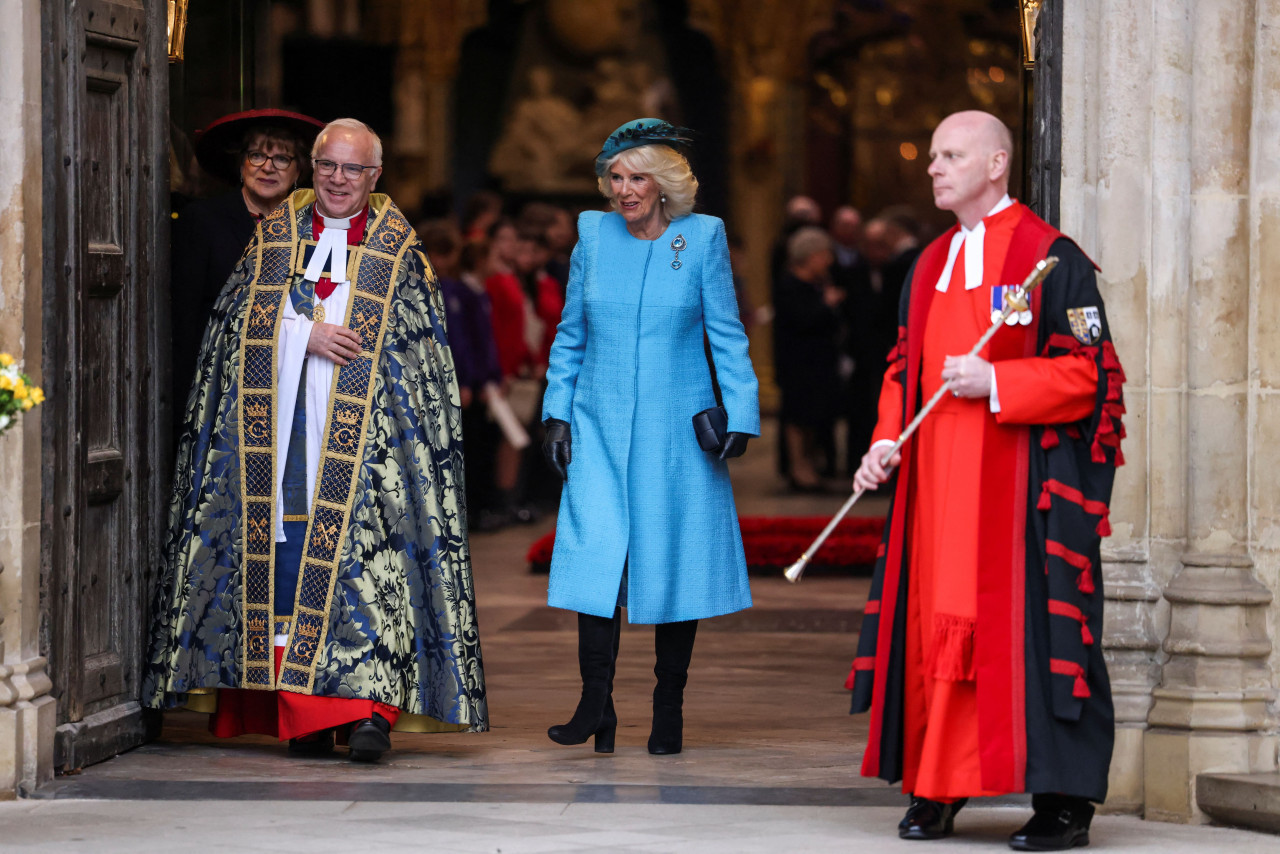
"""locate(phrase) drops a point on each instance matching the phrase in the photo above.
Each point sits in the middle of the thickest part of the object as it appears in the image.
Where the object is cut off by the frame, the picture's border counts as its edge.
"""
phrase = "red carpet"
(774, 542)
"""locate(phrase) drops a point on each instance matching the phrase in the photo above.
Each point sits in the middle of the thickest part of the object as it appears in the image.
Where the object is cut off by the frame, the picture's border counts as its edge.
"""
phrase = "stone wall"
(1170, 180)
(27, 713)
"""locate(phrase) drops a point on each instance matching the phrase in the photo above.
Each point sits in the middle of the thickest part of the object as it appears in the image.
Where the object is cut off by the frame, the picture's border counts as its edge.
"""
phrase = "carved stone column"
(429, 36)
(1265, 318)
(763, 47)
(1210, 711)
(1108, 157)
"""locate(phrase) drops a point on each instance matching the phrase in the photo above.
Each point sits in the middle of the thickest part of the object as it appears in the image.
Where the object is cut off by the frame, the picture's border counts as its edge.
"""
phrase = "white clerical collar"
(331, 250)
(974, 242)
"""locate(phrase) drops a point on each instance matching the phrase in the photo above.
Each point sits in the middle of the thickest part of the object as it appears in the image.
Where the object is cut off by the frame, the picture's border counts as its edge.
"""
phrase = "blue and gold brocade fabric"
(385, 605)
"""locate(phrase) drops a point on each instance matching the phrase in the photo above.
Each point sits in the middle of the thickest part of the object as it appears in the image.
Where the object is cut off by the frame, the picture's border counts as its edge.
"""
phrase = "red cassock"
(285, 714)
(956, 660)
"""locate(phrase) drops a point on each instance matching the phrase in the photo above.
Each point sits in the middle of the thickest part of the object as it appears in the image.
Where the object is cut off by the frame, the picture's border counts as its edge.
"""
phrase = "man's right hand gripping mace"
(1018, 299)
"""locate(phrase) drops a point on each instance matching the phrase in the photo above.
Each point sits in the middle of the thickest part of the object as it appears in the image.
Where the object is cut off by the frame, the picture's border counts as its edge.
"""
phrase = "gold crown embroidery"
(257, 410)
(309, 630)
(257, 623)
(349, 417)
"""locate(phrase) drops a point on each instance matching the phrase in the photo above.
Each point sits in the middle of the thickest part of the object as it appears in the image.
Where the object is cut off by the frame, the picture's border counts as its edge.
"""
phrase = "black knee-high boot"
(673, 644)
(597, 650)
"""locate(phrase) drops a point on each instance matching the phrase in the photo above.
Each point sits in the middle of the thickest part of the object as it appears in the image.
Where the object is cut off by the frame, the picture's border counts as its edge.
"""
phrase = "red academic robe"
(957, 657)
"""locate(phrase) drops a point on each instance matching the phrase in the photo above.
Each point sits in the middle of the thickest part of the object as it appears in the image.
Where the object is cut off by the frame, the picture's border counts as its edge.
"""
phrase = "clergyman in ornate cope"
(317, 577)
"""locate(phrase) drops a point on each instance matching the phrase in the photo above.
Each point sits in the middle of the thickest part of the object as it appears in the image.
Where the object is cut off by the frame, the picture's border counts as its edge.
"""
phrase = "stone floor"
(770, 761)
(765, 706)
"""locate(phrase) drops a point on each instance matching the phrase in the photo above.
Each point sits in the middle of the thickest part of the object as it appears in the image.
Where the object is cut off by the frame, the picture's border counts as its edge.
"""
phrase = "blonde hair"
(349, 124)
(669, 170)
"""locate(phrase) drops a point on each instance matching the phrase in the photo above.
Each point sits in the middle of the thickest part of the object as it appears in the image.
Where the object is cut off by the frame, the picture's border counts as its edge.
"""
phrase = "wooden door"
(1043, 131)
(105, 197)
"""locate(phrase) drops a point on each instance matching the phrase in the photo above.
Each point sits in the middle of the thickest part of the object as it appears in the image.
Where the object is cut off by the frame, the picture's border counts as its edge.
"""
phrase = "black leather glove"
(556, 446)
(734, 445)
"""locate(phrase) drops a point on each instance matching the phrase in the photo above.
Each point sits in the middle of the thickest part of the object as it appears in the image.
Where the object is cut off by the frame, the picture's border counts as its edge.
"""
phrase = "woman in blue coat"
(647, 519)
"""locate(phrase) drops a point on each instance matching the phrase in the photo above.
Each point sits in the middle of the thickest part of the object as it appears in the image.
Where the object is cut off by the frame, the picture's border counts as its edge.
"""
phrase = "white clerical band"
(331, 245)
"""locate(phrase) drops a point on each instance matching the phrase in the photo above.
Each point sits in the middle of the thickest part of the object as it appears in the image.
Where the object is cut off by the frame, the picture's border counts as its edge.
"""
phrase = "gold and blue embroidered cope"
(384, 605)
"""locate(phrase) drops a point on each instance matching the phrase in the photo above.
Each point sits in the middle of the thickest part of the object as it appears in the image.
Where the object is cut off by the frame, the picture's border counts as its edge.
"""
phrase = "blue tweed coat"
(628, 372)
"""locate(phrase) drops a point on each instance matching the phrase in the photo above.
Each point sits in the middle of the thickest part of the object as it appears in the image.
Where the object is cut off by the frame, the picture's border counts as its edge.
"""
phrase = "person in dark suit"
(800, 211)
(852, 275)
(265, 152)
(890, 245)
(806, 351)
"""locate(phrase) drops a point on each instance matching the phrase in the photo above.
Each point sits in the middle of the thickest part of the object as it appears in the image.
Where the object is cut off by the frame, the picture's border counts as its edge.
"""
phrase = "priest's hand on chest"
(334, 342)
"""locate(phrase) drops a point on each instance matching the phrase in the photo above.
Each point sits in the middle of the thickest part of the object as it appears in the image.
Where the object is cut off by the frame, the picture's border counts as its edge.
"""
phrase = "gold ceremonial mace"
(1015, 300)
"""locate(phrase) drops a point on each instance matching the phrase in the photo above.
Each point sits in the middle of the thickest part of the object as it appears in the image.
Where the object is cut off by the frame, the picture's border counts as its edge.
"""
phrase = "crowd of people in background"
(835, 320)
(503, 269)
(834, 314)
(503, 279)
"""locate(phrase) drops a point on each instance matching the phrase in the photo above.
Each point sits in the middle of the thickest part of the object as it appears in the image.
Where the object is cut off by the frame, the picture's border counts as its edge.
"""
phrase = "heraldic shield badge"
(1086, 323)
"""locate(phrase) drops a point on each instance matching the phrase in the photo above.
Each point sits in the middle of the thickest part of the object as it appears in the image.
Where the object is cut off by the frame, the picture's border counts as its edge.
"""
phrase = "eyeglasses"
(280, 161)
(353, 171)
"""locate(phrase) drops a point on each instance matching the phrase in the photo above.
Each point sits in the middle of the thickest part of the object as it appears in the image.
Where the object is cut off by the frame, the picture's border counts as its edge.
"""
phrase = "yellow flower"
(20, 392)
(5, 360)
(37, 394)
(6, 382)
(27, 404)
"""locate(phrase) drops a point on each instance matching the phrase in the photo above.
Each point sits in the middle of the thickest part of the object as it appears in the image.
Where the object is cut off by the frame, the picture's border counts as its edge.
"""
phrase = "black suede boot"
(597, 648)
(673, 645)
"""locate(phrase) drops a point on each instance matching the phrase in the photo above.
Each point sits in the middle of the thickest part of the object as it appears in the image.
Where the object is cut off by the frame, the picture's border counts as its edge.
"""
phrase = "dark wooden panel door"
(105, 202)
(1044, 130)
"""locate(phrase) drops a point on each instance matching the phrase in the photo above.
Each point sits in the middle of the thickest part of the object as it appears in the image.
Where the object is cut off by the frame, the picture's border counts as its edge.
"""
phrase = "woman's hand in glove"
(556, 446)
(734, 445)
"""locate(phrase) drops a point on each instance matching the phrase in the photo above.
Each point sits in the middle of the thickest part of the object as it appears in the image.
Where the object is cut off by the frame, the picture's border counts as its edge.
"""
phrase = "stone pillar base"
(1173, 759)
(26, 745)
(1126, 779)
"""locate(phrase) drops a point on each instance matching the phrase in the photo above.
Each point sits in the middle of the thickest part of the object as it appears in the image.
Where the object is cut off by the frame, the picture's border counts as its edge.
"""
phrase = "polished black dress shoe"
(1053, 830)
(926, 819)
(316, 744)
(369, 739)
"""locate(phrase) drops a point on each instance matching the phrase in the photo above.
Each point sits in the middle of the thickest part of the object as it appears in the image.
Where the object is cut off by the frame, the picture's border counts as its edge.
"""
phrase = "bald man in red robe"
(980, 657)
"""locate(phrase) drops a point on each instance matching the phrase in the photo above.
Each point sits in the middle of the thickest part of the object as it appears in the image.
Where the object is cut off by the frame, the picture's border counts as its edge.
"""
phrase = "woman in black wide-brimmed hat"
(265, 153)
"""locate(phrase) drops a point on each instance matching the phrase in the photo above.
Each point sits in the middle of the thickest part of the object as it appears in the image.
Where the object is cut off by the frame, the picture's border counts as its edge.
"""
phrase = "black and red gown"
(980, 657)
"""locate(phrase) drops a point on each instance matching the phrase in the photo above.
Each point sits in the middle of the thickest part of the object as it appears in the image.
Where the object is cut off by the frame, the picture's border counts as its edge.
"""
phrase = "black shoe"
(926, 819)
(369, 739)
(594, 716)
(673, 648)
(319, 744)
(1055, 828)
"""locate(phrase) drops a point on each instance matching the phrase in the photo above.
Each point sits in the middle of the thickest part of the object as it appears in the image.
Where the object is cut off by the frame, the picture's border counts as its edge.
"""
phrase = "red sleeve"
(1042, 390)
(889, 425)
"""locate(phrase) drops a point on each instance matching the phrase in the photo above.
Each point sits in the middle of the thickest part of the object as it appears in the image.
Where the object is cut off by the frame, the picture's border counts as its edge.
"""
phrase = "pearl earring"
(663, 198)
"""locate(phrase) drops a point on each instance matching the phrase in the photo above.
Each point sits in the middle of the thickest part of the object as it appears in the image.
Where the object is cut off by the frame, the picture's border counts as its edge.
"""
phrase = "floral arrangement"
(17, 394)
